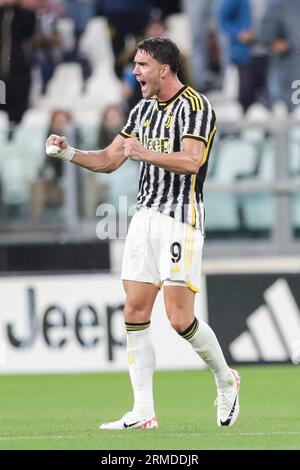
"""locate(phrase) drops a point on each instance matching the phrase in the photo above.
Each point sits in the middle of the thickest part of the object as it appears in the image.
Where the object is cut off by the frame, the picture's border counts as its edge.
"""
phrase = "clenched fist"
(134, 150)
(57, 146)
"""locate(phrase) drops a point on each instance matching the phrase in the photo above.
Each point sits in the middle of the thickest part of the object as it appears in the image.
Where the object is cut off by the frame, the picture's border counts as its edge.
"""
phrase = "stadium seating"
(15, 188)
(88, 122)
(240, 158)
(29, 144)
(230, 87)
(221, 212)
(228, 111)
(294, 151)
(258, 208)
(124, 182)
(280, 111)
(21, 157)
(3, 126)
(257, 116)
(258, 113)
(65, 28)
(295, 211)
(95, 42)
(294, 171)
(296, 113)
(3, 119)
(178, 30)
(65, 85)
(236, 158)
(102, 90)
(36, 118)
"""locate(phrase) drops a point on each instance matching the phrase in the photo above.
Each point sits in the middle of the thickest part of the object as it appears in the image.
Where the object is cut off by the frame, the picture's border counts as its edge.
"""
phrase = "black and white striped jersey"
(161, 126)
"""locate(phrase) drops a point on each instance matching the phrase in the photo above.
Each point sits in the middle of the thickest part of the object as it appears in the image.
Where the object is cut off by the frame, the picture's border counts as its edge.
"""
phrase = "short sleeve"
(198, 120)
(131, 127)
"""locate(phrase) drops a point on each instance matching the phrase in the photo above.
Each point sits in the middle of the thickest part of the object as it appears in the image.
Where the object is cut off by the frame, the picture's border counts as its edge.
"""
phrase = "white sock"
(204, 341)
(141, 363)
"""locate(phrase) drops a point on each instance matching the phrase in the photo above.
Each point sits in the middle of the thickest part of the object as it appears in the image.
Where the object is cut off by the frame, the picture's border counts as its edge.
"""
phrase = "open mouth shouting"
(143, 84)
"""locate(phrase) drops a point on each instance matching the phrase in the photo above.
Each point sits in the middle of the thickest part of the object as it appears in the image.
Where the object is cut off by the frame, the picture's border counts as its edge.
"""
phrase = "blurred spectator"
(123, 182)
(282, 34)
(80, 11)
(47, 192)
(241, 21)
(98, 188)
(126, 18)
(113, 119)
(48, 41)
(17, 29)
(206, 53)
(165, 7)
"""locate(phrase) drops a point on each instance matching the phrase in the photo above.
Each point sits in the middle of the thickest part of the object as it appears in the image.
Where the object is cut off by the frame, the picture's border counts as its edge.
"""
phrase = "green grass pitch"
(64, 411)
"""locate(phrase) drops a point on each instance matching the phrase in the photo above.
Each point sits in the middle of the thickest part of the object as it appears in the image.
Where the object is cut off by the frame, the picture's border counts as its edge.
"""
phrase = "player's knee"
(135, 313)
(178, 322)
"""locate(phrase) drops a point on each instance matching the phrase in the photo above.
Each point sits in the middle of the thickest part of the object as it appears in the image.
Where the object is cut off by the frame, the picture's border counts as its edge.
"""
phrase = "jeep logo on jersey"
(157, 144)
(262, 316)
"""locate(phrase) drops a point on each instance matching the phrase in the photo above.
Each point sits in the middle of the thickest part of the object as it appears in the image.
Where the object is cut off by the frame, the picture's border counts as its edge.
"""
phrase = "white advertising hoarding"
(65, 323)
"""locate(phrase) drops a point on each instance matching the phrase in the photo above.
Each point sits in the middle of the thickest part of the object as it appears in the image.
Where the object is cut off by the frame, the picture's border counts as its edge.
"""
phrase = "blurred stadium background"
(61, 295)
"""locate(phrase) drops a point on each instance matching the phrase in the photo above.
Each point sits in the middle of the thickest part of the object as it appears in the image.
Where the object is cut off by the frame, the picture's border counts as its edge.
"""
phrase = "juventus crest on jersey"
(161, 127)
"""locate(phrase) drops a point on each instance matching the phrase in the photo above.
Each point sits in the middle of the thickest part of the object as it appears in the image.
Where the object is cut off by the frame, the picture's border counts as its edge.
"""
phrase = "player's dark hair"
(163, 50)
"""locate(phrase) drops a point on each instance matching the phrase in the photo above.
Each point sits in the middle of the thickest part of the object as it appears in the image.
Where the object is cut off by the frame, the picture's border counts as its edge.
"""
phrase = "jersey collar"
(161, 105)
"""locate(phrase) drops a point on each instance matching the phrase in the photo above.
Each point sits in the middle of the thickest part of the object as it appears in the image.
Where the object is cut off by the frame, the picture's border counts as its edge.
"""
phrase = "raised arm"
(100, 161)
(187, 161)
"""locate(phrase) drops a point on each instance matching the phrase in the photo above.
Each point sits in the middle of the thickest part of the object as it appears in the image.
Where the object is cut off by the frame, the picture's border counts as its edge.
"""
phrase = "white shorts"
(159, 249)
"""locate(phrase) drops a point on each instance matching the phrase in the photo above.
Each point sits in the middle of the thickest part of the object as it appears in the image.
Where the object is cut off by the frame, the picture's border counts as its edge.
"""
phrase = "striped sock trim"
(190, 331)
(136, 326)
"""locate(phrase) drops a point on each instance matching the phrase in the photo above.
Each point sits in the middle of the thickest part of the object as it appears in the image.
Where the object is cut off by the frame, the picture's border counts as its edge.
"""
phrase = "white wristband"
(65, 154)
